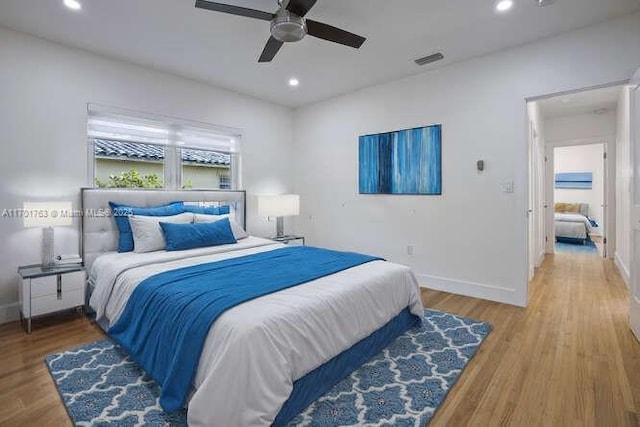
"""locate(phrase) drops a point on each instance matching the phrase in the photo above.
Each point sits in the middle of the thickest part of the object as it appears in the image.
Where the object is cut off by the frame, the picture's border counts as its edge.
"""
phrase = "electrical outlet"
(410, 250)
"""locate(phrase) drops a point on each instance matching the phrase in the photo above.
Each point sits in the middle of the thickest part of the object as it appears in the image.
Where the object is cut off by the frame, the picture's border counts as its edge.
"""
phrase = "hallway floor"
(569, 359)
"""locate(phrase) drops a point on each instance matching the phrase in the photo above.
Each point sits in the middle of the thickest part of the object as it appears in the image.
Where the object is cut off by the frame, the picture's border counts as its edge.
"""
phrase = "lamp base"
(280, 226)
(47, 248)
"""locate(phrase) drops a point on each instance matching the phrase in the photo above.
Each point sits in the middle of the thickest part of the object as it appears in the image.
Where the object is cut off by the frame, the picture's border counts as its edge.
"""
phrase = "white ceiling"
(221, 49)
(596, 101)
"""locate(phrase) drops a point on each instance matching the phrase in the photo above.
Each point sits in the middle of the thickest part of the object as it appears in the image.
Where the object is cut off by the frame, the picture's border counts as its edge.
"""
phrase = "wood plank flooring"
(568, 359)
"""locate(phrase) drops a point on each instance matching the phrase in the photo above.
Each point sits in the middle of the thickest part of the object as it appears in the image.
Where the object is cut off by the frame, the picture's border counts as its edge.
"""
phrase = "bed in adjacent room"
(572, 222)
(270, 355)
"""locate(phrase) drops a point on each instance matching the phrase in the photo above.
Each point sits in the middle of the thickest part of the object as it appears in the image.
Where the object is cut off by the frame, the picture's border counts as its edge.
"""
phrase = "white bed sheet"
(256, 350)
(572, 225)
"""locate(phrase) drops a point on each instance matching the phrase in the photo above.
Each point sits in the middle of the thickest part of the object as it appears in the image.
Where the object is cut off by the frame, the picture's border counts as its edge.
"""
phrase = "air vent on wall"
(429, 59)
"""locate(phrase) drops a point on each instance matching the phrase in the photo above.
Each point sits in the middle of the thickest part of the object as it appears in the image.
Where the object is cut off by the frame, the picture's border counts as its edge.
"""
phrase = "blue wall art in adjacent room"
(582, 180)
(402, 162)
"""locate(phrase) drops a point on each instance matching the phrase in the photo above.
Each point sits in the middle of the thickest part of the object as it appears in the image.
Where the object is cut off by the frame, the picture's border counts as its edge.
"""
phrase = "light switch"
(507, 187)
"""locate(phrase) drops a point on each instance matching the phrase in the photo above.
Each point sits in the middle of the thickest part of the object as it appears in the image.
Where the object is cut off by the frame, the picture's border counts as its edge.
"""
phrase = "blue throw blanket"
(167, 318)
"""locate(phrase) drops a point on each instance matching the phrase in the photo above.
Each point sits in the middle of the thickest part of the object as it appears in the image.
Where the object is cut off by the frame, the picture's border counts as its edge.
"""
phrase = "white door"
(605, 201)
(549, 201)
(634, 311)
(530, 203)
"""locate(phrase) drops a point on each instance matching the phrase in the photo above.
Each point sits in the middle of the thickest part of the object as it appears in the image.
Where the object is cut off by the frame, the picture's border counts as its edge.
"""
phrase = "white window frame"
(228, 141)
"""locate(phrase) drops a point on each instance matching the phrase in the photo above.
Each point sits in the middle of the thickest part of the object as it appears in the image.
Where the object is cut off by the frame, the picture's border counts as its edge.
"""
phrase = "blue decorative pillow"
(189, 236)
(208, 210)
(121, 215)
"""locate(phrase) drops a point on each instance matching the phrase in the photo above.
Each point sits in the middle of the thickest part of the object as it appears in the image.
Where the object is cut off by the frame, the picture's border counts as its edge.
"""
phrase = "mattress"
(572, 226)
(257, 350)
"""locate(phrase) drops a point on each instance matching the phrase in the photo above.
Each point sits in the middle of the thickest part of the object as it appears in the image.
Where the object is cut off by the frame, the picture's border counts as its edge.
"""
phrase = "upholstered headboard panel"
(99, 232)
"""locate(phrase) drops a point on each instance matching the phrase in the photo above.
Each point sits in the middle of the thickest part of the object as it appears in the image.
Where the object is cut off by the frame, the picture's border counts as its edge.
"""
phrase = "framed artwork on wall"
(579, 180)
(402, 162)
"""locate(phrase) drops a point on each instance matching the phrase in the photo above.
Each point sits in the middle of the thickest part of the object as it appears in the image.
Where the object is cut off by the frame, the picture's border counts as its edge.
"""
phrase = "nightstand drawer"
(43, 286)
(51, 303)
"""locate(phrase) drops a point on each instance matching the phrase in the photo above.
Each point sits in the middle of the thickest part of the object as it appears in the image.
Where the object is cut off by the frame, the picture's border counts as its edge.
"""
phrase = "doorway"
(579, 198)
(565, 130)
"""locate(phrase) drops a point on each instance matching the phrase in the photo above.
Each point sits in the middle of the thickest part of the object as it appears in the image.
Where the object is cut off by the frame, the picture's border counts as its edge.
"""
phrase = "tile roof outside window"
(131, 150)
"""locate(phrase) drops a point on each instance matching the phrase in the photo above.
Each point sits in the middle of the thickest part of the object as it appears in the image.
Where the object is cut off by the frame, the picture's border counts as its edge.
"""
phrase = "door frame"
(609, 196)
(535, 190)
(634, 207)
(526, 176)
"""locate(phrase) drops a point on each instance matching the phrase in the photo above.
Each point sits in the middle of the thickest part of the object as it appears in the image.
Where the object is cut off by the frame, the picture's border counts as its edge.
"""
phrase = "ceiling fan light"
(287, 27)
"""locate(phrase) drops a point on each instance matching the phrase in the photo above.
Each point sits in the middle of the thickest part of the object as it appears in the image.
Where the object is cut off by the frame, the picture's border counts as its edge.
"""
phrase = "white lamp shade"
(282, 205)
(47, 214)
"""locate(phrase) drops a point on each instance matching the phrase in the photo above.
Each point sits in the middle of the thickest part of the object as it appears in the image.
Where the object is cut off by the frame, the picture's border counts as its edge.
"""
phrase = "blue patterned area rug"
(588, 247)
(403, 385)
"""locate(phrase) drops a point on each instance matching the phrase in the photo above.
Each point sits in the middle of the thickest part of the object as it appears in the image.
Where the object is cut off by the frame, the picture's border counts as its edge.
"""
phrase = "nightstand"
(288, 239)
(46, 290)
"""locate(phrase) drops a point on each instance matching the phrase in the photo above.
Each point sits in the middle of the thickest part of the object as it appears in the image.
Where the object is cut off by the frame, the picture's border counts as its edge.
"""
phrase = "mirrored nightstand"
(288, 239)
(47, 290)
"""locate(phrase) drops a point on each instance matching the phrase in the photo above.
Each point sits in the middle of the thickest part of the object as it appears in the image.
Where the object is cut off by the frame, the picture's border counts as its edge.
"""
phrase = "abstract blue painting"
(581, 180)
(402, 162)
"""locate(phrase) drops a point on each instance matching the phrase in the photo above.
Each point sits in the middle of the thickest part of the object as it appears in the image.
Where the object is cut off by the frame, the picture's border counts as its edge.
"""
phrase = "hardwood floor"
(28, 396)
(568, 359)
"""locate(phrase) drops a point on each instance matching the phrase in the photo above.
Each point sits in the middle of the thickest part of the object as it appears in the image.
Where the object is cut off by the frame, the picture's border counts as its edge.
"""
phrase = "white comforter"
(573, 217)
(572, 225)
(255, 351)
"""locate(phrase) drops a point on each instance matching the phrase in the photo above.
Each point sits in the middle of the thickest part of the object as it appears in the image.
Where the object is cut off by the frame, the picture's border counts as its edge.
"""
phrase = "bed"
(274, 354)
(572, 222)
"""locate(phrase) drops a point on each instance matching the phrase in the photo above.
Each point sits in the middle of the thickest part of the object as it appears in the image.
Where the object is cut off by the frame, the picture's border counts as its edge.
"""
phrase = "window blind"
(128, 126)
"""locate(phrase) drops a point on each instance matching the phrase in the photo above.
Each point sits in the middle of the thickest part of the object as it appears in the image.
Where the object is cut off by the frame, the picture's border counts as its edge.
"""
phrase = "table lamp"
(47, 215)
(279, 206)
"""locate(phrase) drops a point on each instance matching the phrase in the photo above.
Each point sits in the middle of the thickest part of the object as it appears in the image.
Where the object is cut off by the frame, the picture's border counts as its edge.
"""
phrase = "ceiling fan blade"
(270, 49)
(333, 34)
(300, 7)
(234, 10)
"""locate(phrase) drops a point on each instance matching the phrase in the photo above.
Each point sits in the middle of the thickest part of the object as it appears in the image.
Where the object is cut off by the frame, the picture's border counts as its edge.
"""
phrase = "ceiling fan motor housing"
(287, 27)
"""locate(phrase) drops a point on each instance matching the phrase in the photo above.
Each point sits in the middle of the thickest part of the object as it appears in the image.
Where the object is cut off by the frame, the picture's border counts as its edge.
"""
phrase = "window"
(225, 182)
(129, 149)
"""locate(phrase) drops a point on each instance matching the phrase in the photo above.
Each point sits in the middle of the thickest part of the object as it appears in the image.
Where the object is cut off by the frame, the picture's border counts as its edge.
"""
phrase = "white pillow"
(147, 234)
(236, 229)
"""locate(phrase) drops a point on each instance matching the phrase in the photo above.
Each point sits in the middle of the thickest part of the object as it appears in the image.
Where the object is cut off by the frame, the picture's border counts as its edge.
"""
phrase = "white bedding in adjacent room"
(573, 225)
(255, 351)
(573, 217)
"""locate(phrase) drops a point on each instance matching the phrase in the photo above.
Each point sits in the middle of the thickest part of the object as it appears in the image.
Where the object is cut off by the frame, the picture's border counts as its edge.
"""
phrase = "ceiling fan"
(287, 24)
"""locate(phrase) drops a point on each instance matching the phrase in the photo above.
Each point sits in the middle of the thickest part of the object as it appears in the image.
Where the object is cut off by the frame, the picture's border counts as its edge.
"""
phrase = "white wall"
(472, 239)
(582, 158)
(623, 185)
(580, 127)
(44, 90)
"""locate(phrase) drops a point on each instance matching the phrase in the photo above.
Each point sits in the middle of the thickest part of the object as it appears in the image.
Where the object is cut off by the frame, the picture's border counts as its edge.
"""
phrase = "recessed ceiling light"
(73, 4)
(293, 82)
(504, 5)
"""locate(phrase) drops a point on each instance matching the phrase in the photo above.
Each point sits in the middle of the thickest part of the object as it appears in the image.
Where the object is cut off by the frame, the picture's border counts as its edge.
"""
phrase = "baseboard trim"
(471, 289)
(9, 312)
(624, 271)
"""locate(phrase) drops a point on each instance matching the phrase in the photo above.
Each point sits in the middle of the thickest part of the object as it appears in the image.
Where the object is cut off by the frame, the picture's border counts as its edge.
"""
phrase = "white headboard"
(99, 233)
